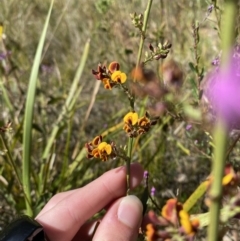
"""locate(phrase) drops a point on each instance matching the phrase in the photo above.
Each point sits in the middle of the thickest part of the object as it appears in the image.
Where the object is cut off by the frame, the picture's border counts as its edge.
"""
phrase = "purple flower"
(2, 56)
(224, 94)
(188, 127)
(210, 8)
(216, 61)
(153, 191)
(145, 174)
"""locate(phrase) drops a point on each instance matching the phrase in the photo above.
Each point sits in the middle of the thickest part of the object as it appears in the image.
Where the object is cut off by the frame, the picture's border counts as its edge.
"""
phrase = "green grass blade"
(28, 118)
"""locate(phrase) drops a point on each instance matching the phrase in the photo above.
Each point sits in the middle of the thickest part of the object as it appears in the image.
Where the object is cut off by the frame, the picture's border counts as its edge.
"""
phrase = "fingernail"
(130, 211)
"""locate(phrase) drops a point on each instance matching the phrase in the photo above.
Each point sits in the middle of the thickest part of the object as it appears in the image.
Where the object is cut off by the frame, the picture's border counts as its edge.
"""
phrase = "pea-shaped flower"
(119, 77)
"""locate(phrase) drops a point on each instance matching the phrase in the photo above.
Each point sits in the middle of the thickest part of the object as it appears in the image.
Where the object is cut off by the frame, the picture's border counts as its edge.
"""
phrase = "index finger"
(62, 221)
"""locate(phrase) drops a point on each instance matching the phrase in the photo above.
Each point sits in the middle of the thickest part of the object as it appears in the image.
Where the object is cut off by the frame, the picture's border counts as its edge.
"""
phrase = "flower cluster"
(134, 126)
(110, 76)
(173, 222)
(100, 149)
(161, 51)
(137, 20)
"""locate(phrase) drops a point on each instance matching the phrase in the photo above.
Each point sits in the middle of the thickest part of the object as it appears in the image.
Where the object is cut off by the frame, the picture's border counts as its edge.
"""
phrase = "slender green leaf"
(28, 118)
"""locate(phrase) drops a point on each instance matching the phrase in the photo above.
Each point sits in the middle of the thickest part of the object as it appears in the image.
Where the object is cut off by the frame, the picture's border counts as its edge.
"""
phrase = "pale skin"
(65, 216)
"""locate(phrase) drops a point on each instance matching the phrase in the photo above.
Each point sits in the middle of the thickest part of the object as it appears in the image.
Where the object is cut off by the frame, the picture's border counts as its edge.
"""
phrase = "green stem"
(214, 2)
(128, 163)
(220, 137)
(228, 34)
(220, 132)
(143, 33)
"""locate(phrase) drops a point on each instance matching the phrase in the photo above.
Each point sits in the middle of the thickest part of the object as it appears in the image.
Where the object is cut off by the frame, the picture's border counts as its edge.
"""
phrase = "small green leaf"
(192, 67)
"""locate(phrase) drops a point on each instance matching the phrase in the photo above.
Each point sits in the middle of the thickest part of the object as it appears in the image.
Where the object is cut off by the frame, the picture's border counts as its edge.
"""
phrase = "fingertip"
(130, 211)
(121, 221)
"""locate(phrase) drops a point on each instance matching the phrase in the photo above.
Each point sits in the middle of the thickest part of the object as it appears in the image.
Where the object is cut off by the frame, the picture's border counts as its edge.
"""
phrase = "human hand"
(64, 218)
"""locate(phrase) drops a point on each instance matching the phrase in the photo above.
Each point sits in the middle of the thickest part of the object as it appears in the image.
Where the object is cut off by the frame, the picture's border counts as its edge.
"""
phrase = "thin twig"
(143, 33)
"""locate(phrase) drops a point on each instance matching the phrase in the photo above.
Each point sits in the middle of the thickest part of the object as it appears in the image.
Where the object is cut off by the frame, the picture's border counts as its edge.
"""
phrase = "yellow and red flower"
(130, 123)
(99, 149)
(110, 76)
(134, 126)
